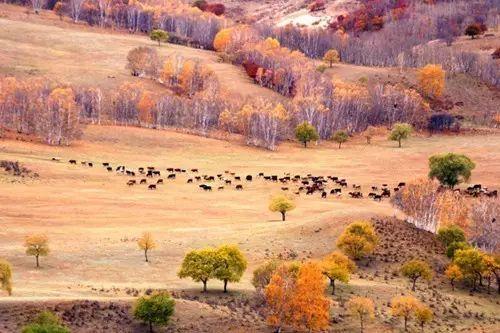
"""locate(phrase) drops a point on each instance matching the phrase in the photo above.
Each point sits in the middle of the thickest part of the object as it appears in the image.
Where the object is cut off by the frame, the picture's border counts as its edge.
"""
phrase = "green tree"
(340, 137)
(281, 203)
(154, 310)
(262, 274)
(306, 132)
(471, 264)
(5, 276)
(37, 246)
(450, 169)
(200, 265)
(233, 264)
(399, 132)
(448, 235)
(416, 269)
(46, 322)
(337, 267)
(159, 36)
(453, 247)
(358, 240)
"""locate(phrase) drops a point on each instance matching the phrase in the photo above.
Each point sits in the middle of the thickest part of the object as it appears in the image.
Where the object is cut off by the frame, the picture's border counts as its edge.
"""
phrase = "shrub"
(155, 310)
(46, 322)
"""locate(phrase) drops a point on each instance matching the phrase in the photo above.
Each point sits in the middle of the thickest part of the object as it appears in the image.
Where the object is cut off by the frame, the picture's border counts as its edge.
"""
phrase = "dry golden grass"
(93, 219)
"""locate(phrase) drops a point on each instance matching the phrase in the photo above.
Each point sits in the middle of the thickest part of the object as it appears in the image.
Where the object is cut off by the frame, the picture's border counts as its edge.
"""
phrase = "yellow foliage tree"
(5, 276)
(331, 57)
(453, 273)
(37, 245)
(404, 307)
(145, 105)
(278, 294)
(146, 243)
(358, 240)
(281, 203)
(431, 80)
(337, 266)
(222, 39)
(453, 210)
(361, 307)
(423, 315)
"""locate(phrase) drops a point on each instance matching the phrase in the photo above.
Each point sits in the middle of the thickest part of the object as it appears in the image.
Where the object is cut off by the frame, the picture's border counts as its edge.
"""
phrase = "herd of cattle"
(308, 184)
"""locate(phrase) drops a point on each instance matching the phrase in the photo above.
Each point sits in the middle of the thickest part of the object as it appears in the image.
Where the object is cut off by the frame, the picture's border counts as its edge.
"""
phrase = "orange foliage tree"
(431, 80)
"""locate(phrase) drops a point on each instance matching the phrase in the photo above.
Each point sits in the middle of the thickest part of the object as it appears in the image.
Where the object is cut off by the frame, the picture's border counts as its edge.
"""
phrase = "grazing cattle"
(170, 169)
(356, 195)
(141, 170)
(194, 170)
(72, 161)
(143, 181)
(226, 171)
(371, 195)
(237, 178)
(323, 194)
(131, 182)
(190, 180)
(90, 164)
(206, 187)
(377, 197)
(56, 159)
(305, 182)
(396, 189)
(386, 192)
(239, 187)
(374, 188)
(284, 188)
(343, 184)
(198, 178)
(384, 185)
(249, 178)
(151, 168)
(261, 174)
(159, 181)
(105, 164)
(209, 178)
(171, 176)
(356, 187)
(150, 173)
(177, 170)
(220, 188)
(267, 177)
(228, 182)
(152, 187)
(183, 170)
(157, 173)
(274, 178)
(83, 163)
(110, 169)
(402, 184)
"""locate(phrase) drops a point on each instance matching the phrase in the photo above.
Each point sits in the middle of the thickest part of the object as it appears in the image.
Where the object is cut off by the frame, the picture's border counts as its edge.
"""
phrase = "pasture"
(93, 218)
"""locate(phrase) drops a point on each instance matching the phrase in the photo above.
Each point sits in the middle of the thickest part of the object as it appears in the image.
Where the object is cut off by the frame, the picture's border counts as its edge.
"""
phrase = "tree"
(76, 8)
(450, 169)
(46, 322)
(281, 203)
(200, 265)
(484, 228)
(337, 266)
(159, 36)
(451, 234)
(331, 57)
(340, 137)
(431, 80)
(262, 274)
(37, 5)
(306, 132)
(143, 61)
(453, 247)
(155, 310)
(471, 264)
(37, 245)
(371, 131)
(473, 30)
(233, 264)
(309, 306)
(415, 269)
(492, 264)
(5, 276)
(361, 307)
(404, 307)
(454, 274)
(358, 240)
(399, 132)
(278, 294)
(222, 39)
(423, 315)
(146, 243)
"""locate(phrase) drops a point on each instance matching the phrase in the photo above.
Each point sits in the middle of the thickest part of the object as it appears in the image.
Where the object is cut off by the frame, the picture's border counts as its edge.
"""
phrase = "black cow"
(159, 181)
(274, 178)
(194, 170)
(157, 173)
(171, 176)
(72, 161)
(131, 182)
(90, 164)
(284, 188)
(239, 187)
(249, 178)
(402, 184)
(220, 188)
(170, 169)
(150, 173)
(143, 181)
(141, 170)
(110, 169)
(228, 182)
(261, 174)
(190, 180)
(323, 194)
(105, 164)
(152, 187)
(238, 178)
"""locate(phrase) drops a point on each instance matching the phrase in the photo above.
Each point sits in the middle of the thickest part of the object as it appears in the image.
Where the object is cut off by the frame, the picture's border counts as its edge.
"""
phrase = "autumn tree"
(453, 210)
(308, 304)
(340, 137)
(154, 310)
(337, 267)
(46, 322)
(37, 246)
(363, 308)
(423, 315)
(75, 9)
(471, 264)
(306, 132)
(232, 266)
(222, 39)
(5, 276)
(331, 57)
(143, 61)
(159, 36)
(279, 293)
(358, 240)
(431, 80)
(473, 30)
(484, 228)
(371, 131)
(416, 269)
(146, 243)
(200, 265)
(404, 307)
(281, 203)
(452, 238)
(454, 274)
(492, 267)
(145, 107)
(399, 132)
(61, 121)
(450, 169)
